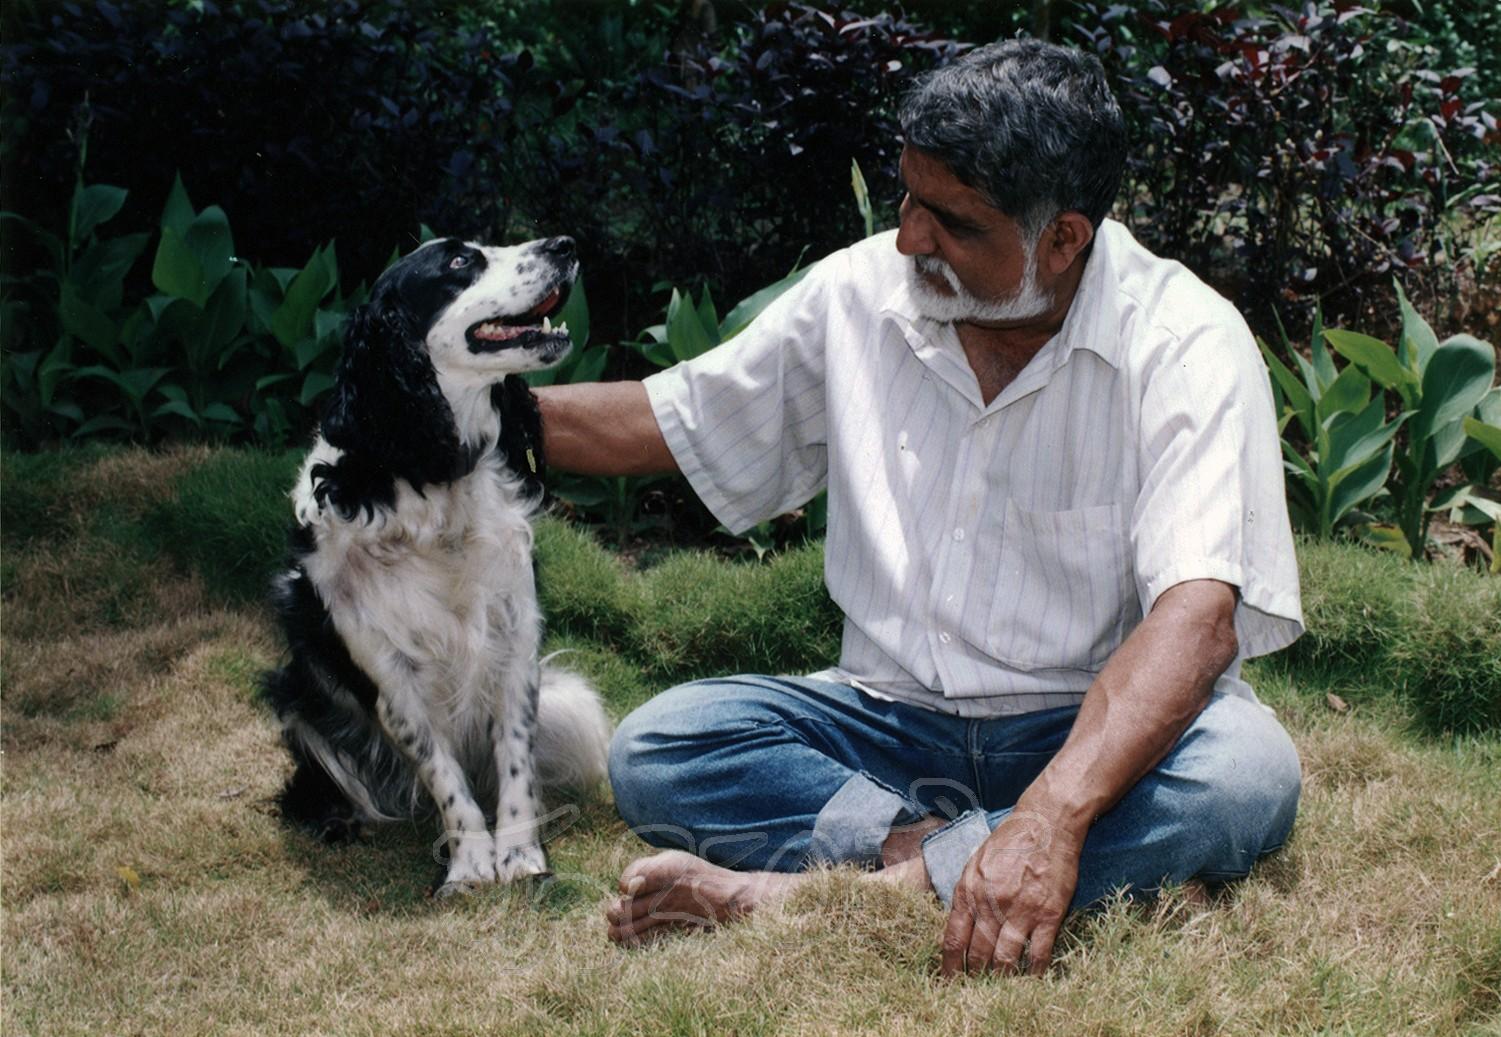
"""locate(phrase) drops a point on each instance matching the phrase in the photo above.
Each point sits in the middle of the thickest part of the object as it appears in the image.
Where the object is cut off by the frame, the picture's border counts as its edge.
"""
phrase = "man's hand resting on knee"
(1012, 897)
(1015, 890)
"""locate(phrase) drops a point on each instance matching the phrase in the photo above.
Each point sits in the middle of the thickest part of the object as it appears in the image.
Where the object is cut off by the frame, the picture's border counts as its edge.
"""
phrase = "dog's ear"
(386, 405)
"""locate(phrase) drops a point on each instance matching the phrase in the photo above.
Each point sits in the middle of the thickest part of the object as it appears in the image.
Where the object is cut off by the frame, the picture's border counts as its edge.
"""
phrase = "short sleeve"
(1212, 503)
(746, 420)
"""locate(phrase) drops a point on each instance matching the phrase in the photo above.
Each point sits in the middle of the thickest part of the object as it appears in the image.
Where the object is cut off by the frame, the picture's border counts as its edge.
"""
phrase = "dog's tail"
(573, 733)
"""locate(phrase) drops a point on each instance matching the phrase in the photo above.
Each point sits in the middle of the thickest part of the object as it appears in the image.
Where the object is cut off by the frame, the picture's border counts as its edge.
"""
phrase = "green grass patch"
(228, 520)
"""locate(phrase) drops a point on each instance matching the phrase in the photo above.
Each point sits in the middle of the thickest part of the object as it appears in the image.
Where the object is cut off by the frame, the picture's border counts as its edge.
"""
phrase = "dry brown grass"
(148, 886)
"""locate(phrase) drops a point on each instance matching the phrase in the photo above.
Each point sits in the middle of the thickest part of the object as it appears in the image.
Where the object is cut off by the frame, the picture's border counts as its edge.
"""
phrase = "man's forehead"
(934, 186)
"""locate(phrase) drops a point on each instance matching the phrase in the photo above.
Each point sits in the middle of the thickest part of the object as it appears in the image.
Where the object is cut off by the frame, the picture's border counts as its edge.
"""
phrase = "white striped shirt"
(989, 559)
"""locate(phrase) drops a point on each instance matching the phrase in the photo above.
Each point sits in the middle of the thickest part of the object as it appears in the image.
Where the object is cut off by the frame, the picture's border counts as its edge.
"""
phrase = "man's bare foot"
(676, 889)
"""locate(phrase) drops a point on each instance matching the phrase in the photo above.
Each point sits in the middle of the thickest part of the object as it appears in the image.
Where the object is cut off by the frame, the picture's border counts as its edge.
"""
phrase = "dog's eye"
(458, 262)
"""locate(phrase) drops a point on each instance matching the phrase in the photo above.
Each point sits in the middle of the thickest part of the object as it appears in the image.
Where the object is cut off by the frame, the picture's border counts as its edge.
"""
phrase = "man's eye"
(458, 262)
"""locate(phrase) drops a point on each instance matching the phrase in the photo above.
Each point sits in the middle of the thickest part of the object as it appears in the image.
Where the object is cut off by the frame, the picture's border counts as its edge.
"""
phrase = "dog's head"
(482, 311)
(443, 325)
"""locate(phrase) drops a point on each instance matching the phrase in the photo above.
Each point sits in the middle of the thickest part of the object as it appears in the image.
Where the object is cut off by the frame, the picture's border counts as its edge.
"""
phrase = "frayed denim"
(782, 773)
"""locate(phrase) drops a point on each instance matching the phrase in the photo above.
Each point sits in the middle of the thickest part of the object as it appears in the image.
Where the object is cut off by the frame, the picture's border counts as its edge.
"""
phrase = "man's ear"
(1063, 241)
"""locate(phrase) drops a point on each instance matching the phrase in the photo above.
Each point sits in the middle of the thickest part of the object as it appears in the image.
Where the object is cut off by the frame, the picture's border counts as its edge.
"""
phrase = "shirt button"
(944, 637)
(958, 534)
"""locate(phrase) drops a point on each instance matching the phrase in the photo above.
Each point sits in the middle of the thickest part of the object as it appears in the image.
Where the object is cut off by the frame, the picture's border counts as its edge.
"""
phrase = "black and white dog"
(410, 606)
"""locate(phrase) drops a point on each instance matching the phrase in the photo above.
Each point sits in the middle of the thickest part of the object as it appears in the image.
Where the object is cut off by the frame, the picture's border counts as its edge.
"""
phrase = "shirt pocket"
(1064, 590)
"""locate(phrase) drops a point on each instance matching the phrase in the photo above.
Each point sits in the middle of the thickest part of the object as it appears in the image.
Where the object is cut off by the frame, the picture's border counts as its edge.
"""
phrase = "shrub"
(351, 120)
(1306, 153)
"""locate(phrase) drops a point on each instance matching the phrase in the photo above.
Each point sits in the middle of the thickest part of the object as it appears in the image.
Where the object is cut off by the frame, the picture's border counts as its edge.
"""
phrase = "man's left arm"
(1015, 890)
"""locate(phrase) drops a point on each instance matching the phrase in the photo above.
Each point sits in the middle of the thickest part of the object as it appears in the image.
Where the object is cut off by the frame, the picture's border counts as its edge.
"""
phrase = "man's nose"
(914, 233)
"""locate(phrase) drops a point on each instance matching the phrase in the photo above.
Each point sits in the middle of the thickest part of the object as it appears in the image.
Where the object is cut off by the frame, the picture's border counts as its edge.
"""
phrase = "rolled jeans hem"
(947, 850)
(854, 823)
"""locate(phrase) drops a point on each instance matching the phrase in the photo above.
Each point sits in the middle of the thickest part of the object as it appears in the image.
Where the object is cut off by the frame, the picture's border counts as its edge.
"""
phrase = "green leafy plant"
(1349, 447)
(1437, 385)
(220, 349)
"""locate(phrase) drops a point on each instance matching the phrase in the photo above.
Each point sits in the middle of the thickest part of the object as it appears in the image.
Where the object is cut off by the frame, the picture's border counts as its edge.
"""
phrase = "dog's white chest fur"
(442, 583)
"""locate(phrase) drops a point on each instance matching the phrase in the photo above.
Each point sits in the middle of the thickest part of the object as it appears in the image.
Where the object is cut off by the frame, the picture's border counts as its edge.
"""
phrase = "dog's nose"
(559, 248)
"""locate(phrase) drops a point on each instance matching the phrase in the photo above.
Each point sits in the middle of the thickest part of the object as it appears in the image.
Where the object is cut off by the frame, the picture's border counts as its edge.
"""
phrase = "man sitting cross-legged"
(1056, 528)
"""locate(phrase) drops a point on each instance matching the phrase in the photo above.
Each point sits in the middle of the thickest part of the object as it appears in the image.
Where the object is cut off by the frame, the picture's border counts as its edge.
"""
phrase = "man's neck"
(997, 352)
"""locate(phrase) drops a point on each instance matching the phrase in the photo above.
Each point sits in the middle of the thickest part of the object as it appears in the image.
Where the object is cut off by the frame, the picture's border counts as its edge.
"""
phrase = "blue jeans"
(778, 773)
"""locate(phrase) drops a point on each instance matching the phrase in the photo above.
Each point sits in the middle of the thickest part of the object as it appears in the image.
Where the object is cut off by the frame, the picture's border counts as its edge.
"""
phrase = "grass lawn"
(149, 887)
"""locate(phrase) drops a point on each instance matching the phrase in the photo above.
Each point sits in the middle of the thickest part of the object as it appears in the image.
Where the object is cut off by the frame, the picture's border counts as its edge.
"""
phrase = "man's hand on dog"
(1012, 897)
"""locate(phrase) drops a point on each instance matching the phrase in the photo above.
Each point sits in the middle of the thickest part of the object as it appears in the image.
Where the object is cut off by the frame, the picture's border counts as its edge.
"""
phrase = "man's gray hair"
(1030, 125)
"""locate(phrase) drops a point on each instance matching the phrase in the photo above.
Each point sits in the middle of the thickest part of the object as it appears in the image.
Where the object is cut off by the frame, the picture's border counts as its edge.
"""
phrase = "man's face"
(970, 261)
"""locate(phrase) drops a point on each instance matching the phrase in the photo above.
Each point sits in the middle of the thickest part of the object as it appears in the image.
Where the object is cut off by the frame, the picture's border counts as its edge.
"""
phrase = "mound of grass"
(228, 520)
(1430, 633)
(85, 528)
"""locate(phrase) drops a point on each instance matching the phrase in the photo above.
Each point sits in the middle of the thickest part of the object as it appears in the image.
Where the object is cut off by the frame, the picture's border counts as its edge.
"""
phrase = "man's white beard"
(1027, 302)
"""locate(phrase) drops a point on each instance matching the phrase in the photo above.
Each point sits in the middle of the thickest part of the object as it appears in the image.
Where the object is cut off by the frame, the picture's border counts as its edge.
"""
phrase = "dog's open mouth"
(534, 328)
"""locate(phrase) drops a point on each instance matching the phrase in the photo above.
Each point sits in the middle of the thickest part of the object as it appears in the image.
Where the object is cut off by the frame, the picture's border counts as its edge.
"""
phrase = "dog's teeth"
(546, 325)
(562, 328)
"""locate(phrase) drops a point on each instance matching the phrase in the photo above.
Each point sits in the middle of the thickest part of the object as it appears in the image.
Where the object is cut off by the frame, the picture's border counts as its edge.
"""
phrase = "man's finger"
(956, 934)
(1041, 951)
(986, 930)
(1007, 953)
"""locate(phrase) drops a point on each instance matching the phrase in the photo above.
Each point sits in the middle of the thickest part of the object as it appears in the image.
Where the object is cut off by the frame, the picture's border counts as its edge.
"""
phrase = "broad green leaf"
(1355, 438)
(57, 365)
(212, 245)
(266, 381)
(1323, 363)
(1377, 360)
(224, 316)
(135, 383)
(307, 351)
(173, 391)
(294, 317)
(686, 335)
(1357, 484)
(575, 313)
(101, 423)
(1457, 377)
(1347, 394)
(178, 212)
(707, 315)
(1441, 450)
(84, 320)
(749, 308)
(177, 271)
(1385, 536)
(181, 409)
(100, 271)
(1305, 369)
(328, 324)
(313, 386)
(1297, 395)
(591, 365)
(1484, 433)
(93, 206)
(1418, 340)
(659, 353)
(221, 412)
(862, 198)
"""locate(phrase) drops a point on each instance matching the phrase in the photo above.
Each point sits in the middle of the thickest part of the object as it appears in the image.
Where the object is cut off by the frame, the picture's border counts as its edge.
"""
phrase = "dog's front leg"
(471, 854)
(518, 851)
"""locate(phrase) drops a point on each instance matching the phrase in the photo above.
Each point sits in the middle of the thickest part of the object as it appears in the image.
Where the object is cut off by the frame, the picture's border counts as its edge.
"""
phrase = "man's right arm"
(602, 428)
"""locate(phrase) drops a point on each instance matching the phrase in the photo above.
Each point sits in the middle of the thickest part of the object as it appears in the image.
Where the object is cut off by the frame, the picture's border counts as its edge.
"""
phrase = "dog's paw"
(521, 862)
(456, 887)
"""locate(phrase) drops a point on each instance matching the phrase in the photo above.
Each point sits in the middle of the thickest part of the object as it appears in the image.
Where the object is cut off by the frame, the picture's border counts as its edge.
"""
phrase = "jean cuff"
(947, 850)
(856, 820)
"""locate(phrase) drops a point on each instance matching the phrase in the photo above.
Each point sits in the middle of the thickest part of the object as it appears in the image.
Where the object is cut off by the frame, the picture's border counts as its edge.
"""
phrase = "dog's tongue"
(545, 305)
